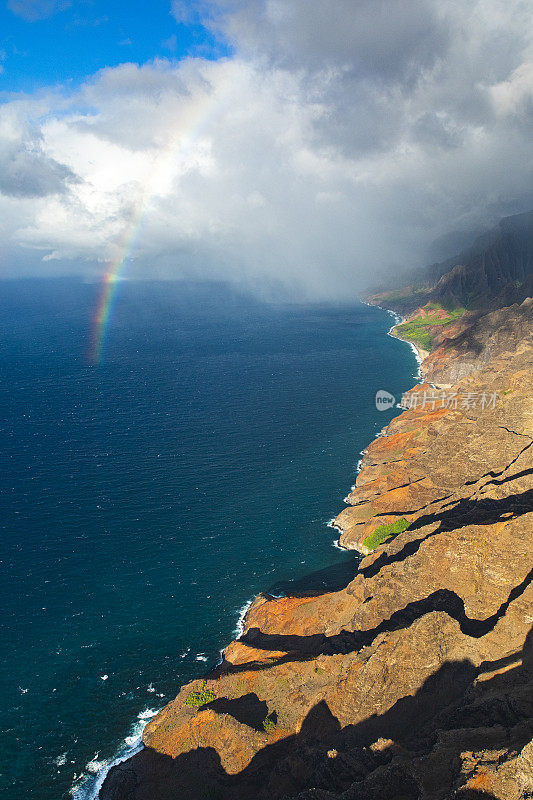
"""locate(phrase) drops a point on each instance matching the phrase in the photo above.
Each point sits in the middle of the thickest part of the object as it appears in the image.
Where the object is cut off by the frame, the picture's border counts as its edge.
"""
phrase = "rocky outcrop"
(415, 681)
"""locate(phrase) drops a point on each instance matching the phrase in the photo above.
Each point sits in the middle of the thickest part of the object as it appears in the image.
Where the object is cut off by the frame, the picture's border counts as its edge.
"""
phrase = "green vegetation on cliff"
(385, 532)
(421, 330)
(200, 698)
(269, 725)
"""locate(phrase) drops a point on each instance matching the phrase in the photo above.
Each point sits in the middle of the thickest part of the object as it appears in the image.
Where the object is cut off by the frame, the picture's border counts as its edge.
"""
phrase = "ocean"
(147, 498)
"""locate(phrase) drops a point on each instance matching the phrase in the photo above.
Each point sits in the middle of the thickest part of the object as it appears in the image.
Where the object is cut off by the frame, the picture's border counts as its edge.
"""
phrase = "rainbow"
(108, 293)
(162, 170)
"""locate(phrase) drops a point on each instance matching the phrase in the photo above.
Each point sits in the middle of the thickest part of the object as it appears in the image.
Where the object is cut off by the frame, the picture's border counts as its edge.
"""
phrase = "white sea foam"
(239, 628)
(416, 354)
(397, 320)
(61, 760)
(418, 361)
(87, 785)
(94, 765)
(337, 544)
(331, 524)
(346, 499)
(147, 714)
(352, 487)
(201, 657)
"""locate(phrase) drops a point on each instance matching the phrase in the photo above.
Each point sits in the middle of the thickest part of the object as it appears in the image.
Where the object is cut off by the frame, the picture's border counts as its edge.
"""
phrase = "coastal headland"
(415, 681)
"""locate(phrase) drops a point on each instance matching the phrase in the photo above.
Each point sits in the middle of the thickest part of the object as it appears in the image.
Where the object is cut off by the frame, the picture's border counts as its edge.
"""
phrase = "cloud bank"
(341, 139)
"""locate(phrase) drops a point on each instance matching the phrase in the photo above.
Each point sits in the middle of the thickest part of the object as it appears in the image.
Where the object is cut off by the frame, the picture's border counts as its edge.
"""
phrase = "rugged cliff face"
(415, 682)
(496, 271)
(499, 271)
(500, 335)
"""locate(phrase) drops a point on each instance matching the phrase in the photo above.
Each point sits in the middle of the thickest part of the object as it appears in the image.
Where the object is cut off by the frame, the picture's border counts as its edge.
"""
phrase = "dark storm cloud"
(434, 131)
(388, 38)
(397, 70)
(26, 171)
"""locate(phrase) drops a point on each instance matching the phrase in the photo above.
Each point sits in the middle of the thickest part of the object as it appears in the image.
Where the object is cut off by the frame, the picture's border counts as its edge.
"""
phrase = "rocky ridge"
(494, 272)
(415, 682)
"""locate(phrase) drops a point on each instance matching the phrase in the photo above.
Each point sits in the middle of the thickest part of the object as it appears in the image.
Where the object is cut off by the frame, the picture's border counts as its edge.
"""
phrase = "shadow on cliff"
(458, 515)
(452, 516)
(416, 743)
(247, 709)
(307, 647)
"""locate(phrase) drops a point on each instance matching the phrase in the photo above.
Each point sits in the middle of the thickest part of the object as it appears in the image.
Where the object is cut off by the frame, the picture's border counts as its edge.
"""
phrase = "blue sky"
(46, 42)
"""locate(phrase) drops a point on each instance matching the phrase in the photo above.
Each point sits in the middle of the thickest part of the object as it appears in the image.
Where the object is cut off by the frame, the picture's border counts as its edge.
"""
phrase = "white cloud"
(515, 94)
(339, 140)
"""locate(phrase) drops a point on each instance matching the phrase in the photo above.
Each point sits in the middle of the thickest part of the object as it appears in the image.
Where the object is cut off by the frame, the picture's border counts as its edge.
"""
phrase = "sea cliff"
(414, 681)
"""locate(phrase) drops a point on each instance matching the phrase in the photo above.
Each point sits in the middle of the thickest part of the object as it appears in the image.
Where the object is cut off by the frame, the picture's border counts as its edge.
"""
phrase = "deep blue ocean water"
(145, 499)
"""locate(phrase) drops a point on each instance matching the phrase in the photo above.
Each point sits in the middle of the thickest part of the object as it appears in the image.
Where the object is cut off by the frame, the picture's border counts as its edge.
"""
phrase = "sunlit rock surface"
(416, 680)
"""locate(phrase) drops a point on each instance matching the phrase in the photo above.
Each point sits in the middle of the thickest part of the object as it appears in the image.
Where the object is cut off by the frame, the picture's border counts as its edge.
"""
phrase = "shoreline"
(419, 353)
(420, 356)
(399, 672)
(90, 789)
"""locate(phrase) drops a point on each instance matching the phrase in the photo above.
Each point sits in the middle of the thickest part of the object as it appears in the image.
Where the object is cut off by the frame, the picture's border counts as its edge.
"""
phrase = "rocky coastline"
(415, 681)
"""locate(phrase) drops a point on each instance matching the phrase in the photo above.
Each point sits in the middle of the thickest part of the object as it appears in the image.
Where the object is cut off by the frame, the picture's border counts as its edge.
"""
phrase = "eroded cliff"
(416, 680)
